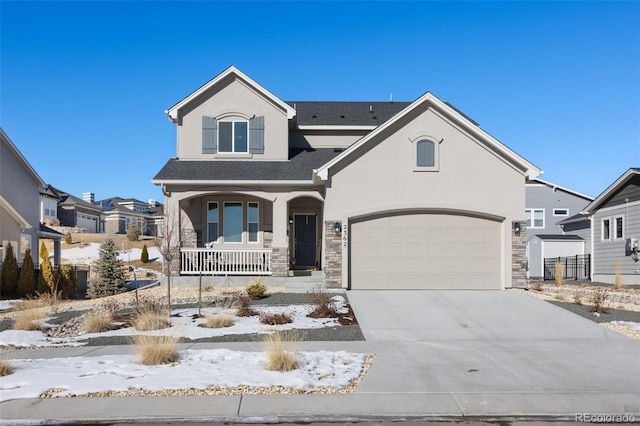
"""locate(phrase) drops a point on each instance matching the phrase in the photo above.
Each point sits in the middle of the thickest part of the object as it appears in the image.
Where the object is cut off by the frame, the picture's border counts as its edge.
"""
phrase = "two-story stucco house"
(556, 228)
(120, 212)
(21, 189)
(376, 195)
(615, 230)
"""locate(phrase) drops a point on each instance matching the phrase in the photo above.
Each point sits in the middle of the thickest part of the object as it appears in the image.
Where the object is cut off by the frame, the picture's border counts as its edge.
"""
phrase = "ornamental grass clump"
(29, 320)
(218, 321)
(148, 321)
(280, 352)
(156, 350)
(97, 322)
(256, 290)
(559, 272)
(617, 283)
(5, 368)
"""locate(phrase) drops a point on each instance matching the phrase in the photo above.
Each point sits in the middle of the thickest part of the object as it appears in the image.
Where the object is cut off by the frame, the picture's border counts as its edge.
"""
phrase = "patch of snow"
(90, 252)
(196, 369)
(6, 305)
(632, 325)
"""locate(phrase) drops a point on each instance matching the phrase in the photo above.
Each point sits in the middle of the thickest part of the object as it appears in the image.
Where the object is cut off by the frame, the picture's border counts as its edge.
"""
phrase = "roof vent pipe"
(370, 109)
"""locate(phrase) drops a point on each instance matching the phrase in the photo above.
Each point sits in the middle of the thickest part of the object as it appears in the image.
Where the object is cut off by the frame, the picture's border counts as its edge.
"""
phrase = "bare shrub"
(218, 321)
(97, 322)
(578, 294)
(559, 273)
(5, 368)
(29, 303)
(207, 288)
(560, 296)
(147, 321)
(149, 304)
(536, 285)
(242, 302)
(598, 300)
(277, 318)
(323, 306)
(30, 320)
(281, 355)
(156, 350)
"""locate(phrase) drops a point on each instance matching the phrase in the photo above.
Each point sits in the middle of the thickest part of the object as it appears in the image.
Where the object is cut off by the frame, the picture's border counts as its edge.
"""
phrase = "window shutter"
(256, 135)
(209, 135)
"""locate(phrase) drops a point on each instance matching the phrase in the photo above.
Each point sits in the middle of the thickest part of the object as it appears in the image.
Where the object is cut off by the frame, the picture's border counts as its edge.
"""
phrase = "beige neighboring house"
(375, 195)
(21, 202)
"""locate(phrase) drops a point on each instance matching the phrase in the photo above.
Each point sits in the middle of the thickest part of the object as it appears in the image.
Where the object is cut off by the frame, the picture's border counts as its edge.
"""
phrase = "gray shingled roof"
(559, 237)
(299, 167)
(310, 113)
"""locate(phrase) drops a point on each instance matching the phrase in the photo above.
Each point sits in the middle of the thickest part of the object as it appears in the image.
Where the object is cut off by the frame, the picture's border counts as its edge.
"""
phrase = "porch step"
(303, 281)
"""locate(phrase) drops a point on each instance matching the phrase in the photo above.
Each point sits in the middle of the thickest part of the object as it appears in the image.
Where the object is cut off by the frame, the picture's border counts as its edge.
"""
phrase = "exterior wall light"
(516, 228)
(337, 228)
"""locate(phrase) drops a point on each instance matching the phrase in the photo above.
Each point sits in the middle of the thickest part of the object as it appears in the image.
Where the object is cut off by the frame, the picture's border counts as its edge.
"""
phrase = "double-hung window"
(618, 230)
(233, 136)
(535, 218)
(606, 229)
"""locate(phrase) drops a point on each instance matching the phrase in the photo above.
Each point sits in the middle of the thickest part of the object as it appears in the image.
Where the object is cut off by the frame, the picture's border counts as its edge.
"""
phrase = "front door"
(305, 239)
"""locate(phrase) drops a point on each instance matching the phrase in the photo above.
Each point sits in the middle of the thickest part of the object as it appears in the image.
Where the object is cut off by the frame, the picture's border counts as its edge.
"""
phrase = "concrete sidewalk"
(438, 355)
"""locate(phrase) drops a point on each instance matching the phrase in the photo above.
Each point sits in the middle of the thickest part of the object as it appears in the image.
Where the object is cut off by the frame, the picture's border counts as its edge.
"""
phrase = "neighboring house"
(49, 198)
(20, 189)
(74, 212)
(376, 195)
(120, 212)
(555, 226)
(615, 230)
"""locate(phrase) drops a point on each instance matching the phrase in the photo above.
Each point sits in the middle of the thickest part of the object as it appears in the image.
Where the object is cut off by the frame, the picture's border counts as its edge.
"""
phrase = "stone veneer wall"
(519, 255)
(280, 261)
(332, 256)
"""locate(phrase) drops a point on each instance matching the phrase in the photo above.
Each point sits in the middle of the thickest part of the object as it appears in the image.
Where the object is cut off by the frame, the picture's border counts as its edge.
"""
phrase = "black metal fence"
(576, 267)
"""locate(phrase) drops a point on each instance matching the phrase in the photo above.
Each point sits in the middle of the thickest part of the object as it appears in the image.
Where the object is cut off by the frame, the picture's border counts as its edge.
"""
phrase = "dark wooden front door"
(305, 240)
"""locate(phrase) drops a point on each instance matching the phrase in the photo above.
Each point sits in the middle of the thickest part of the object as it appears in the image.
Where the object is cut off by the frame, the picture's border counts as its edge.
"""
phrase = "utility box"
(631, 246)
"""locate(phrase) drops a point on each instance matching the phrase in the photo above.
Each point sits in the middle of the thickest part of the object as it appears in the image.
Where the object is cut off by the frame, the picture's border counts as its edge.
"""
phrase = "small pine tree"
(9, 273)
(133, 233)
(27, 281)
(46, 279)
(109, 272)
(68, 238)
(68, 284)
(144, 256)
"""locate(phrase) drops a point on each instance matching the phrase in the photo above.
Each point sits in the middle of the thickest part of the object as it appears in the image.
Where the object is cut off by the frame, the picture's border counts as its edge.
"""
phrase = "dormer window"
(233, 136)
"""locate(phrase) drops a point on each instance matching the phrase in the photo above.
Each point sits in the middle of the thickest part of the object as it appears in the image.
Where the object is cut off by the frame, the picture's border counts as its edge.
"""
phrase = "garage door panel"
(418, 251)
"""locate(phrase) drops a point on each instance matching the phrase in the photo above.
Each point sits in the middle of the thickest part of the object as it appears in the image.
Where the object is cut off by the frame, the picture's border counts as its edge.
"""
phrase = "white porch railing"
(206, 261)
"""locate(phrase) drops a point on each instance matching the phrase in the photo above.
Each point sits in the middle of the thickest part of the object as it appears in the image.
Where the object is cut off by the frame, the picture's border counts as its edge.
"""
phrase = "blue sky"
(84, 85)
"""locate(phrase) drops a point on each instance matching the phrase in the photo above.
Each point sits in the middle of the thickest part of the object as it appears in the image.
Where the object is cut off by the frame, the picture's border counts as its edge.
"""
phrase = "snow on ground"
(6, 305)
(90, 252)
(635, 326)
(196, 369)
(185, 326)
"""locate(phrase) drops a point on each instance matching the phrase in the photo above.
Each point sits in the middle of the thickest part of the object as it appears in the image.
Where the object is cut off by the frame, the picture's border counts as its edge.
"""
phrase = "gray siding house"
(372, 195)
(615, 231)
(20, 203)
(555, 225)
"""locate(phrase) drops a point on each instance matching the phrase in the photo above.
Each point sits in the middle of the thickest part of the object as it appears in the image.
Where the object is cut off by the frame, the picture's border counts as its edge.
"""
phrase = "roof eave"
(159, 182)
(592, 206)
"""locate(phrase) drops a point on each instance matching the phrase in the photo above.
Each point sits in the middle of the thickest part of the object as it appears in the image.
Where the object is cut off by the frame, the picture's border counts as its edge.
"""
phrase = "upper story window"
(427, 153)
(233, 136)
(606, 229)
(535, 218)
(561, 212)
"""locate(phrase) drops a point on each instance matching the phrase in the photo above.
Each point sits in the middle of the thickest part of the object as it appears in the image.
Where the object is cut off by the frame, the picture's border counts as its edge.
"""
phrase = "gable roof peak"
(173, 112)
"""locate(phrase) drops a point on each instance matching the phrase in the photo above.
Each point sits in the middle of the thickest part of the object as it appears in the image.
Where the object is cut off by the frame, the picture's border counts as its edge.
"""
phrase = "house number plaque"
(344, 235)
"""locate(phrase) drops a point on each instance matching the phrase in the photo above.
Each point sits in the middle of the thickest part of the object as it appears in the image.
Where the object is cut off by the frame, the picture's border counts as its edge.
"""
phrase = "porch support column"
(519, 254)
(280, 244)
(56, 251)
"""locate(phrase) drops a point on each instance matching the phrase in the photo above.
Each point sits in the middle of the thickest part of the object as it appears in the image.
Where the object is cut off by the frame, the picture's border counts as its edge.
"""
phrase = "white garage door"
(87, 222)
(425, 251)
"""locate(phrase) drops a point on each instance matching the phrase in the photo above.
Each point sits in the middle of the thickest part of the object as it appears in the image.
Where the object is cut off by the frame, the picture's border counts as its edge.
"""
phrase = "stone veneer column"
(332, 256)
(519, 255)
(280, 261)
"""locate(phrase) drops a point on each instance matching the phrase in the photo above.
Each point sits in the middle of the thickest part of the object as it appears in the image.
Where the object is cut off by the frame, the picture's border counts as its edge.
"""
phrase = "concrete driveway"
(495, 352)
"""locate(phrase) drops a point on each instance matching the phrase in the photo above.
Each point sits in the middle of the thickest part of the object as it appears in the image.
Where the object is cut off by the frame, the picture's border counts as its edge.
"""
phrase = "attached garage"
(89, 223)
(425, 251)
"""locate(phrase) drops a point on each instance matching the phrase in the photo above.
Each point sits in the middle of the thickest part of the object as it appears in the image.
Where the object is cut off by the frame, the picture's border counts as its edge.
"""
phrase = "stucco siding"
(233, 100)
(540, 196)
(21, 190)
(470, 178)
(608, 255)
(324, 138)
